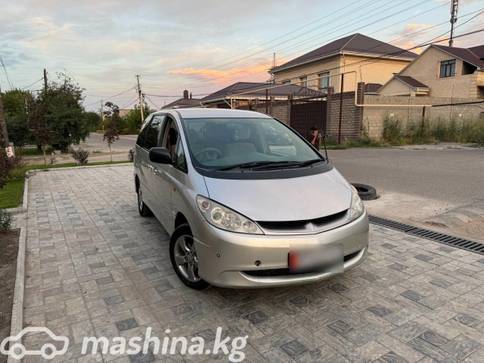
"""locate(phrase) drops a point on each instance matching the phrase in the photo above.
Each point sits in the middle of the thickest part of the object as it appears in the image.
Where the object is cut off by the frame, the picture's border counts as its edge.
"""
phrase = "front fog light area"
(225, 218)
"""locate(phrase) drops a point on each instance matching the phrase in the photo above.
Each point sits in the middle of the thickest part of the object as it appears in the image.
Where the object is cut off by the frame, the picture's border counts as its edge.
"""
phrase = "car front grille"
(304, 226)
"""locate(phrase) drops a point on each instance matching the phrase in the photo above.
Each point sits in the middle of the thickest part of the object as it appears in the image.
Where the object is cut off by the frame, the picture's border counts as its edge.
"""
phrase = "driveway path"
(94, 267)
(437, 188)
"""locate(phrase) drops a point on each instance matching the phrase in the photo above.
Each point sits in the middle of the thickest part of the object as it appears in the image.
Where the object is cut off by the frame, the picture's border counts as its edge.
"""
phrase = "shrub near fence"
(396, 132)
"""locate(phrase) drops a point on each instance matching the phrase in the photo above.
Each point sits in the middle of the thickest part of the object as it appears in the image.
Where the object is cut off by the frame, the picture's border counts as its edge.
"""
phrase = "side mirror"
(160, 155)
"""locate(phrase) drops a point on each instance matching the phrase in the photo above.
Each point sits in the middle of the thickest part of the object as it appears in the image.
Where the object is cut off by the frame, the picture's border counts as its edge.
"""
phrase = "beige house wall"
(369, 70)
(426, 69)
(363, 69)
(311, 70)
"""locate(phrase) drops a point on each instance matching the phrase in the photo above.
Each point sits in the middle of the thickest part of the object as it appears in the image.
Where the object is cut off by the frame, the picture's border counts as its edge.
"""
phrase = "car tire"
(184, 233)
(143, 209)
(366, 192)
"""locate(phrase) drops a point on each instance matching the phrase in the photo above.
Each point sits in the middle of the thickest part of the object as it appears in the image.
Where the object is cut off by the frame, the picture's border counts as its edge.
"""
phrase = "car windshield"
(255, 143)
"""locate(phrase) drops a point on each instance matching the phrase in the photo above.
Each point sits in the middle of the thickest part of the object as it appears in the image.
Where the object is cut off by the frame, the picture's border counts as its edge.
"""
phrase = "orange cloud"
(254, 72)
(410, 36)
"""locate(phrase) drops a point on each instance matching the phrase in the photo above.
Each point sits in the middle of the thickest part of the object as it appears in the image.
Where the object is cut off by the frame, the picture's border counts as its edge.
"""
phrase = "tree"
(16, 105)
(93, 121)
(131, 122)
(39, 126)
(3, 126)
(111, 133)
(59, 106)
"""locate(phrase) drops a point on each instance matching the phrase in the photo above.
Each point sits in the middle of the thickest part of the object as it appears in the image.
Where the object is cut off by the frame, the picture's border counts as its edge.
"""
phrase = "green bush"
(5, 220)
(80, 155)
(392, 131)
(418, 132)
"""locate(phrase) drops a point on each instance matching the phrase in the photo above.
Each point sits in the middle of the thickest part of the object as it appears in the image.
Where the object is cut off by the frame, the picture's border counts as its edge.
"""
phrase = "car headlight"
(357, 208)
(225, 218)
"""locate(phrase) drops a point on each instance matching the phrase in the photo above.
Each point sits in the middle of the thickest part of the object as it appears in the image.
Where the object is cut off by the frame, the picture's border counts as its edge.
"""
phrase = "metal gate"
(308, 113)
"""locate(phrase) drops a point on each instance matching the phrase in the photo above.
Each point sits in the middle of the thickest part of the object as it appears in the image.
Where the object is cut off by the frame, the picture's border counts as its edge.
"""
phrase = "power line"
(32, 84)
(131, 103)
(352, 31)
(403, 50)
(175, 96)
(385, 56)
(151, 101)
(331, 15)
(6, 73)
(388, 16)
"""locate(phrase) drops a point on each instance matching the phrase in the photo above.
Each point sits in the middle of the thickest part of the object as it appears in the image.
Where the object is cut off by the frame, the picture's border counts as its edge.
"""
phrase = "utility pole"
(3, 126)
(454, 5)
(273, 79)
(45, 80)
(140, 98)
(340, 122)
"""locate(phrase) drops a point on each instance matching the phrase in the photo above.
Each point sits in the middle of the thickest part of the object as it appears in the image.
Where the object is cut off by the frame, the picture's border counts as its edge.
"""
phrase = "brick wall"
(351, 115)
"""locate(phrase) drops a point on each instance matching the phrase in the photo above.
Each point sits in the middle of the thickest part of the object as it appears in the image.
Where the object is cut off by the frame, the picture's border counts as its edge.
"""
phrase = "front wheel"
(143, 209)
(184, 258)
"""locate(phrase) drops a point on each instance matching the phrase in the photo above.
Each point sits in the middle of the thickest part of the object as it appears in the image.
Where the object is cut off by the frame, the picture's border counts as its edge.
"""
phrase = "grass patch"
(12, 193)
(363, 141)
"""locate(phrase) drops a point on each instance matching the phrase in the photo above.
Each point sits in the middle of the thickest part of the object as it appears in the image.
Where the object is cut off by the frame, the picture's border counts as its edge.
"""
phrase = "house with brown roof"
(441, 71)
(244, 92)
(184, 102)
(359, 57)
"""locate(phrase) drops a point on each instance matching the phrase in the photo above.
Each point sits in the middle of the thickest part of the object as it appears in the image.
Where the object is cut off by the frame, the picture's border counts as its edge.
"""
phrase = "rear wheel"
(184, 258)
(143, 209)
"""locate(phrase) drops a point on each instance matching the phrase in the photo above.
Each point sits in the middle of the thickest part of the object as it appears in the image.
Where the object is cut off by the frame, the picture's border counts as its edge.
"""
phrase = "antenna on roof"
(454, 5)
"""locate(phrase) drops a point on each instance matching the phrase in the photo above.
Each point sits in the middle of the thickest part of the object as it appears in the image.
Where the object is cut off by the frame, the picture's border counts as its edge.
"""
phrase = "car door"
(151, 136)
(161, 174)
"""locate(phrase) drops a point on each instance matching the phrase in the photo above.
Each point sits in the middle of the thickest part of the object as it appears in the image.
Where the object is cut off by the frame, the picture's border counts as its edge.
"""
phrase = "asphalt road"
(95, 142)
(451, 175)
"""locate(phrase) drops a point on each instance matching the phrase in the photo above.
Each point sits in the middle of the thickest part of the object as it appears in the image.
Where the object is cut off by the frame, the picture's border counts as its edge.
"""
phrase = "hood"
(291, 199)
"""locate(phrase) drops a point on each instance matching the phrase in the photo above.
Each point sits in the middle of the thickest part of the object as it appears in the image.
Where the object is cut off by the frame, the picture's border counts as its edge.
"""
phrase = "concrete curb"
(23, 208)
(16, 324)
(35, 171)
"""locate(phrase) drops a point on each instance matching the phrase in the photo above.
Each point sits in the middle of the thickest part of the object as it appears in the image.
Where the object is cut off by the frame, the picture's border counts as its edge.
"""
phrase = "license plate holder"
(316, 259)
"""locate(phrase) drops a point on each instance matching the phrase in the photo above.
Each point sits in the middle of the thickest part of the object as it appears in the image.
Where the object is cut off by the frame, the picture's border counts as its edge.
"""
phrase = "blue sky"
(198, 45)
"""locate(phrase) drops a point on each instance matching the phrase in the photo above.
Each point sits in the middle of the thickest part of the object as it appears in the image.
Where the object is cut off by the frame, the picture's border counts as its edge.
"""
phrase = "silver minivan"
(246, 200)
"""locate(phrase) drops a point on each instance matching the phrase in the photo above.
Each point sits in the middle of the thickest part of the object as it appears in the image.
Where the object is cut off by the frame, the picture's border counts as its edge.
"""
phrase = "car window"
(152, 132)
(170, 137)
(141, 140)
(180, 162)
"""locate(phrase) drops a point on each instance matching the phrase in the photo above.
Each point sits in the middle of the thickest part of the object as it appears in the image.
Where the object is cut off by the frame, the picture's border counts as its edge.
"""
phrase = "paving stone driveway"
(94, 267)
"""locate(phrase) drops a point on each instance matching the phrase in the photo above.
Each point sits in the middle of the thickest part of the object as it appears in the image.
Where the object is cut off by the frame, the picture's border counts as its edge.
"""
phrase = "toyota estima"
(247, 201)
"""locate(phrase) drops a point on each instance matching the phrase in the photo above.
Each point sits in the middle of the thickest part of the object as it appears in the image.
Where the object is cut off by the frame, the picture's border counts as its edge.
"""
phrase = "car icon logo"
(48, 350)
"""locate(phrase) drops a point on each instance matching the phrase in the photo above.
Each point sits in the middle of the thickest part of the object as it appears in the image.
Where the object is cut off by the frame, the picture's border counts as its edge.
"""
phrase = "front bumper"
(225, 257)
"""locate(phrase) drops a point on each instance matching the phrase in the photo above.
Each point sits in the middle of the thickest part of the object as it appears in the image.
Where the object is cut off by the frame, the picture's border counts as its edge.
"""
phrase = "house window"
(303, 81)
(447, 68)
(323, 81)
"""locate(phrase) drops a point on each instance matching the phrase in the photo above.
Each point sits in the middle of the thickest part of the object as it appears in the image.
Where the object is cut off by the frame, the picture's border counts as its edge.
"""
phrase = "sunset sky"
(201, 46)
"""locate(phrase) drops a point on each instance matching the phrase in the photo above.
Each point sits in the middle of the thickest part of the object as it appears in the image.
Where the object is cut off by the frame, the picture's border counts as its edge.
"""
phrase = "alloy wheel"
(186, 258)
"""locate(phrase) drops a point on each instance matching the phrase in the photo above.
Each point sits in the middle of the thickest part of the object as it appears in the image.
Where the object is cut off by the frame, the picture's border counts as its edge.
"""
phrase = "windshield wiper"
(248, 165)
(288, 164)
(264, 165)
